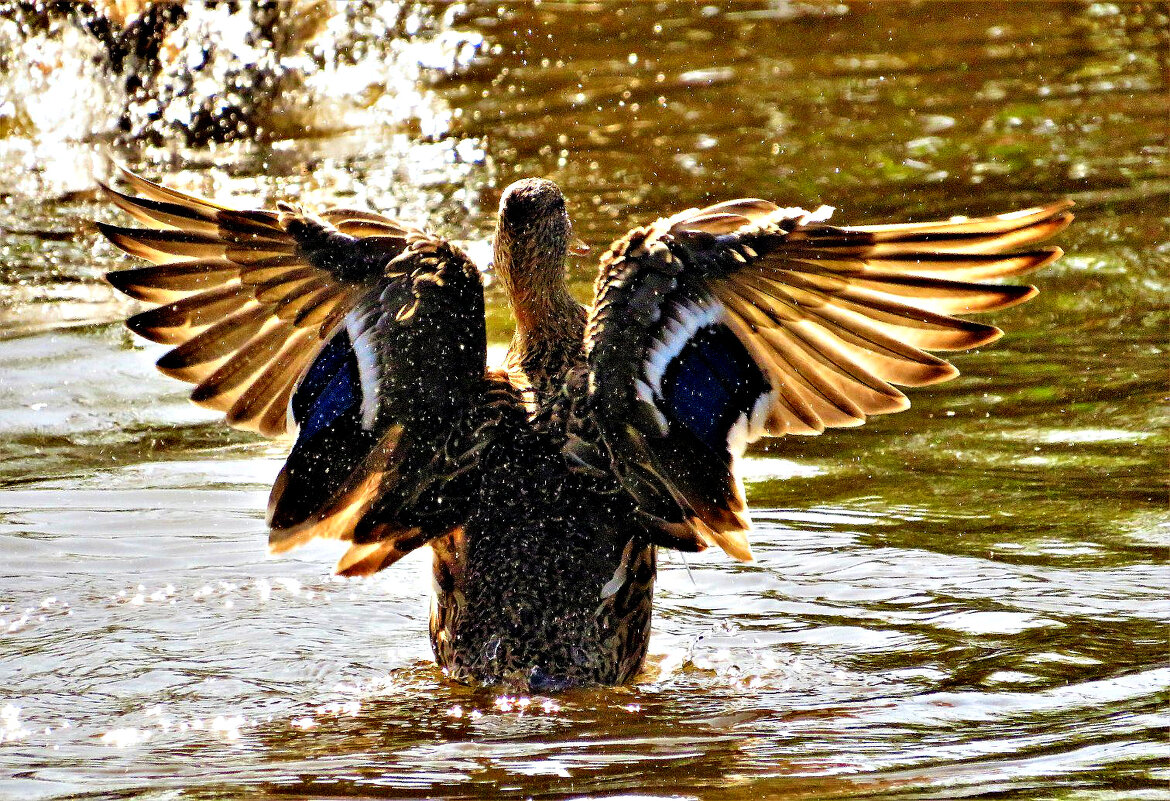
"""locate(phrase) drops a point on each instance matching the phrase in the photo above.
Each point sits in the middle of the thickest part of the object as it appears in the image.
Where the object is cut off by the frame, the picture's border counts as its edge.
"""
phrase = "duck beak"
(578, 248)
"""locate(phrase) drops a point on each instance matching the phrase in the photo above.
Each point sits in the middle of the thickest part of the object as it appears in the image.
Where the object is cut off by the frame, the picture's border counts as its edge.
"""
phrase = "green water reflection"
(968, 598)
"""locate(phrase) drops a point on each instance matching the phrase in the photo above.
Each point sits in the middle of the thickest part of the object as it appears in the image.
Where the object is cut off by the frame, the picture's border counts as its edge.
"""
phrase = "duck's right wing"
(718, 326)
(363, 336)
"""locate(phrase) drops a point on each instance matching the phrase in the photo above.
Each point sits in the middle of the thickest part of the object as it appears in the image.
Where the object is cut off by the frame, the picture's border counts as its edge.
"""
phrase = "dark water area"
(966, 599)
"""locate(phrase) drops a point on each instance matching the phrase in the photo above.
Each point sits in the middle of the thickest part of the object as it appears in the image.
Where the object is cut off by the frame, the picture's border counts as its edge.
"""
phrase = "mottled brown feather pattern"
(224, 276)
(836, 317)
(546, 489)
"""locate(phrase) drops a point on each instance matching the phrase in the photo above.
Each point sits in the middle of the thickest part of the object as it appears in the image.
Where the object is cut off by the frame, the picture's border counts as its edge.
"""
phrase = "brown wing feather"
(834, 318)
(250, 298)
(235, 285)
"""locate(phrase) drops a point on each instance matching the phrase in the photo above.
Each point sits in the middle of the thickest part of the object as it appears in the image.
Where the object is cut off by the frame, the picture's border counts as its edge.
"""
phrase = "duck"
(545, 486)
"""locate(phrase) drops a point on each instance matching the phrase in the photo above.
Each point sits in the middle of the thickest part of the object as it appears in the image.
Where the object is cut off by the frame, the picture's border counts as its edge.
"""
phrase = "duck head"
(533, 238)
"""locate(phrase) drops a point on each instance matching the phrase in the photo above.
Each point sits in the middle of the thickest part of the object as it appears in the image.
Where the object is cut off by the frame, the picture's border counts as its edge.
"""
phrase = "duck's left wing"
(721, 325)
(363, 336)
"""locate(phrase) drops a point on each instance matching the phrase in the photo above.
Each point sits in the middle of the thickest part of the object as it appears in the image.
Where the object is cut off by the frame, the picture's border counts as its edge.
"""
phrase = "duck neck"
(550, 330)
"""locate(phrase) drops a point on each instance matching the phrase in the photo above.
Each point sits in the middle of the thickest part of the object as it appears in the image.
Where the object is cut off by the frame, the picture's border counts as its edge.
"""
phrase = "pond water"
(965, 599)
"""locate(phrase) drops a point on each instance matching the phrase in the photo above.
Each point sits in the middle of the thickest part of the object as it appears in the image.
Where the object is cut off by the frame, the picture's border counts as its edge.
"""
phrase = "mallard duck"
(545, 486)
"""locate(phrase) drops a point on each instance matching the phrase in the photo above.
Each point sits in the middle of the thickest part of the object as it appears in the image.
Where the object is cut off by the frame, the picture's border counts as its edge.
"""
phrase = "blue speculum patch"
(711, 382)
(329, 389)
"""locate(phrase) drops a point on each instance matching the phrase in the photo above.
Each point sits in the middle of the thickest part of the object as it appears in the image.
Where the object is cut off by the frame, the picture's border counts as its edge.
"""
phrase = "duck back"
(547, 585)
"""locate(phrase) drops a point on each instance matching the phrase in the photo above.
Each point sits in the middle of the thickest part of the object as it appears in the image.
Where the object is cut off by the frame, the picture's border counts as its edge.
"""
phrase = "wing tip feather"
(367, 558)
(148, 325)
(729, 532)
(125, 282)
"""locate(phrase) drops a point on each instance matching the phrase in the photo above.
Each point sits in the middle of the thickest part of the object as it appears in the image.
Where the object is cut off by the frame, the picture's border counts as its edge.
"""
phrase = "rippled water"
(965, 599)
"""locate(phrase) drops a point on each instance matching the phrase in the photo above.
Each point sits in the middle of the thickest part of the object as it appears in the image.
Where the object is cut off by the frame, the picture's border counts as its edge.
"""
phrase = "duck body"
(545, 487)
(549, 582)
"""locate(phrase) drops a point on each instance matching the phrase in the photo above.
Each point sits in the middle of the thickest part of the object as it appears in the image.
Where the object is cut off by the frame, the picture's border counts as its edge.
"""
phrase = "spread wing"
(362, 335)
(715, 327)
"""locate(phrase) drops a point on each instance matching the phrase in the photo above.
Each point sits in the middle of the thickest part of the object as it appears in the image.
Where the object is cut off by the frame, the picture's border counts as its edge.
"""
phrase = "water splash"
(196, 74)
(199, 73)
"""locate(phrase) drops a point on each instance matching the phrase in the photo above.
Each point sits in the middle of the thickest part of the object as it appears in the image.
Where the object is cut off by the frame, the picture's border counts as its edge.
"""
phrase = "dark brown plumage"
(545, 487)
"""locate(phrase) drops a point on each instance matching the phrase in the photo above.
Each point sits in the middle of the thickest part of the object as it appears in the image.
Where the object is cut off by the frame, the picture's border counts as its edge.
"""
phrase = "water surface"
(965, 599)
